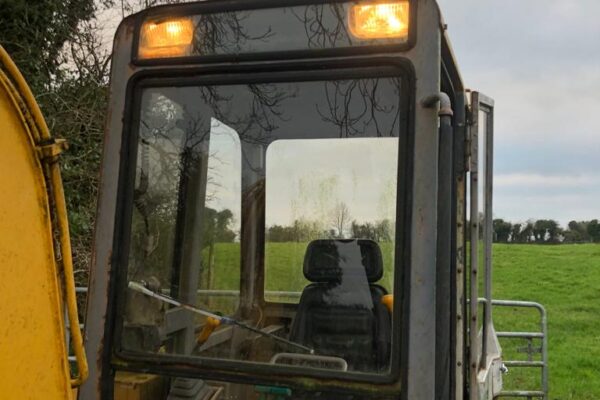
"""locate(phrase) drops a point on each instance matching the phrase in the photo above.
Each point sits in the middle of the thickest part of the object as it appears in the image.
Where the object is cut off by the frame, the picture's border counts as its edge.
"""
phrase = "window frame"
(248, 371)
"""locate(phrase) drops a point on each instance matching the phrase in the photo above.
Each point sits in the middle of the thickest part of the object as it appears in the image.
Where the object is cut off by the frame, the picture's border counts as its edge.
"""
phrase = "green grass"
(283, 265)
(566, 280)
(284, 261)
(563, 278)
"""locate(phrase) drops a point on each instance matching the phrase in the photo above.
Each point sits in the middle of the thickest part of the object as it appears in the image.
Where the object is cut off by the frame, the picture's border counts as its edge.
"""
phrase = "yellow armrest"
(388, 301)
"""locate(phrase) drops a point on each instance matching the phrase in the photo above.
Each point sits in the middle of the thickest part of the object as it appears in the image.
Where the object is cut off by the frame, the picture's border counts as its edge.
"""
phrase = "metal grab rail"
(50, 148)
(72, 358)
(543, 335)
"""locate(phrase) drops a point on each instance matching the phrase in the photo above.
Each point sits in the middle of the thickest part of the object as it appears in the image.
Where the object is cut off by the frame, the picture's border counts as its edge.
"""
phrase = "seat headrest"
(326, 260)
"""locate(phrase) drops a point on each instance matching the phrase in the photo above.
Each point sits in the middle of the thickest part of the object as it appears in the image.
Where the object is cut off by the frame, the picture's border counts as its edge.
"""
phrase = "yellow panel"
(134, 386)
(33, 361)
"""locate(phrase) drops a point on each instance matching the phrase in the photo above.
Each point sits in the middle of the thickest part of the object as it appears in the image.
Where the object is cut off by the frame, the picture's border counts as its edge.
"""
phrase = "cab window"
(321, 189)
(271, 208)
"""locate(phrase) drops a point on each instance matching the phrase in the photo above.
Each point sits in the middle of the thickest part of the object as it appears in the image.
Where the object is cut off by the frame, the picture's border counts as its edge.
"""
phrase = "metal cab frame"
(433, 309)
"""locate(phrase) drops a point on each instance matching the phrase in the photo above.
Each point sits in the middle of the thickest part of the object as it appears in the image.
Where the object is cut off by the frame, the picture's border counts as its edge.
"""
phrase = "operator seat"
(341, 313)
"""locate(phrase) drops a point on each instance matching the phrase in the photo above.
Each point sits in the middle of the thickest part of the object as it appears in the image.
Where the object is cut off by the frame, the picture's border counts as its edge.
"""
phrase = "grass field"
(563, 278)
(566, 280)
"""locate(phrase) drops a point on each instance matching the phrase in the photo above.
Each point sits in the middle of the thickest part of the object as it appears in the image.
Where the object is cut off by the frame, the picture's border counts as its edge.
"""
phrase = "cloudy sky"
(540, 61)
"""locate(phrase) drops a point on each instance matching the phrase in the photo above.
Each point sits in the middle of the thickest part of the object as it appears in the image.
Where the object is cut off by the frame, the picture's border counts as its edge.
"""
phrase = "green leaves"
(54, 44)
(34, 34)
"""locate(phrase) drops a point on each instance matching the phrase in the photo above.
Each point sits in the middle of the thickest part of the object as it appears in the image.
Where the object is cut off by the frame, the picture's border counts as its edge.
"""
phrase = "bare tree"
(341, 218)
(357, 106)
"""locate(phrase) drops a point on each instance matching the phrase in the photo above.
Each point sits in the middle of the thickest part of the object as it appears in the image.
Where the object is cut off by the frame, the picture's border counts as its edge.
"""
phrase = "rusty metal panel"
(97, 345)
(32, 342)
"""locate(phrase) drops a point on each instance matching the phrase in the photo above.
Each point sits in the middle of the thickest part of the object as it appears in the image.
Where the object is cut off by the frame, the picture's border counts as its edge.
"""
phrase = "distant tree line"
(305, 231)
(546, 231)
(380, 231)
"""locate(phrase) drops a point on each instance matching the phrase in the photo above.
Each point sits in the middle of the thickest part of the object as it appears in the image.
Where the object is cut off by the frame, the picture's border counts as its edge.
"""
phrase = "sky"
(540, 61)
(361, 175)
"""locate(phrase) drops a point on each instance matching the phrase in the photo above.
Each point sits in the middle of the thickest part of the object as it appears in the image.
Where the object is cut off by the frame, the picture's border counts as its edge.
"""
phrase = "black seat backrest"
(341, 313)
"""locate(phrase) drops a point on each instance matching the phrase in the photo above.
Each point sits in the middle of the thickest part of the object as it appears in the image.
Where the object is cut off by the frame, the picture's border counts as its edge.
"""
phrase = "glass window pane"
(326, 189)
(481, 181)
(222, 168)
(221, 222)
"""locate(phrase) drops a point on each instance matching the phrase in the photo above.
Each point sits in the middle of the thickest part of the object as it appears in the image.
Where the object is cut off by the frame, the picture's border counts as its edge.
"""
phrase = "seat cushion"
(359, 333)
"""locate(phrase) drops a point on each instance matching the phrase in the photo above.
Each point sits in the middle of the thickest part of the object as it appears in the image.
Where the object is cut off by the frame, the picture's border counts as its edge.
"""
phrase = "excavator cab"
(292, 199)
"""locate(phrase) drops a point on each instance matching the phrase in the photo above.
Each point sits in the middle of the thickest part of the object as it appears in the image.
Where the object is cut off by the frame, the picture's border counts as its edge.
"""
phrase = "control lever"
(141, 288)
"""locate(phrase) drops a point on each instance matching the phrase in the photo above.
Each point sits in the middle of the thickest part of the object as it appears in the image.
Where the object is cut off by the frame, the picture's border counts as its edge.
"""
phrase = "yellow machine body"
(36, 277)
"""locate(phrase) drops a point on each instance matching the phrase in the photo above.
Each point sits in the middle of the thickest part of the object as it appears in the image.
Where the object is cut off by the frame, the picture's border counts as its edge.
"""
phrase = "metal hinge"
(50, 150)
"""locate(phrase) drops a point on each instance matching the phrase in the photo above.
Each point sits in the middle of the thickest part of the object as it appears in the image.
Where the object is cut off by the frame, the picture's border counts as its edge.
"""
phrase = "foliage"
(380, 231)
(217, 226)
(301, 230)
(34, 34)
(76, 112)
(545, 231)
(593, 230)
(502, 230)
(57, 46)
(577, 232)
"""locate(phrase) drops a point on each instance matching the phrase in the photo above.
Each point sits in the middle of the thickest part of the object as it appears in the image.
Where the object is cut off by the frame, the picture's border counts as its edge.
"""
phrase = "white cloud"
(562, 208)
(538, 181)
(539, 59)
(549, 106)
(564, 197)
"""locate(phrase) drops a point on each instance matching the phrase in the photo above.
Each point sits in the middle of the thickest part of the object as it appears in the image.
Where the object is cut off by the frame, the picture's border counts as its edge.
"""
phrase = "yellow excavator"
(37, 288)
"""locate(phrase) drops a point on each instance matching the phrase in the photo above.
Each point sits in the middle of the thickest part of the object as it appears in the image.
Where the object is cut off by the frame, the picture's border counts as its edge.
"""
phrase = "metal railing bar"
(543, 335)
(515, 363)
(220, 292)
(522, 393)
(525, 335)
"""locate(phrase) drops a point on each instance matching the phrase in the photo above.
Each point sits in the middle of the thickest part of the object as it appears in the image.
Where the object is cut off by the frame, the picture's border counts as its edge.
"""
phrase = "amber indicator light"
(379, 20)
(166, 38)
